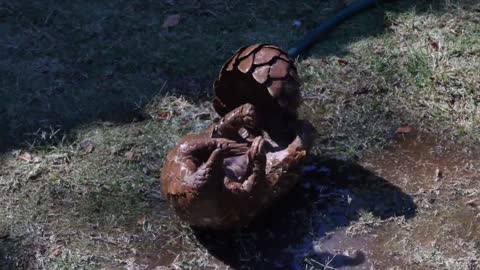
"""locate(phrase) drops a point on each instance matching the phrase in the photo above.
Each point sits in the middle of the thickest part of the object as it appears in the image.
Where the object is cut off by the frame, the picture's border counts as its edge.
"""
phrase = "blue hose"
(329, 24)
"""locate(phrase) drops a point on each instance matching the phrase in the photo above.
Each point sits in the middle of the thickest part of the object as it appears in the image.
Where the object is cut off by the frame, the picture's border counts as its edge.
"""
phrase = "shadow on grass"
(372, 22)
(10, 257)
(67, 63)
(330, 199)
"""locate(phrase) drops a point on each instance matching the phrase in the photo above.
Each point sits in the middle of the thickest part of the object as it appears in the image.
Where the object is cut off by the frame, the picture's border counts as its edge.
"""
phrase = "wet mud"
(410, 206)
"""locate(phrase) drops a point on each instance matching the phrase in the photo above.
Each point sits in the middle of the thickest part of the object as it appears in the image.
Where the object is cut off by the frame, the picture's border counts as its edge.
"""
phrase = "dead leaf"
(171, 21)
(164, 115)
(25, 156)
(435, 46)
(57, 252)
(342, 62)
(142, 220)
(405, 129)
(130, 155)
(89, 147)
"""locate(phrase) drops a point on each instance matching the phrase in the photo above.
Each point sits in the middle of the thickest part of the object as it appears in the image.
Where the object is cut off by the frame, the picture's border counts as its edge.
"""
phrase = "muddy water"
(444, 180)
(422, 162)
(411, 206)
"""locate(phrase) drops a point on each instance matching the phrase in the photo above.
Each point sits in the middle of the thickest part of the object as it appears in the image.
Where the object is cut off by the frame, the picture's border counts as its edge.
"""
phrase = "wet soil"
(414, 205)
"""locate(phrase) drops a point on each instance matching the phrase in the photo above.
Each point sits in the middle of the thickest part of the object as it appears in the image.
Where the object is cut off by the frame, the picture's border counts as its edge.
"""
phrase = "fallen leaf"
(25, 156)
(342, 62)
(89, 147)
(57, 252)
(164, 115)
(130, 155)
(171, 21)
(405, 129)
(435, 46)
(142, 220)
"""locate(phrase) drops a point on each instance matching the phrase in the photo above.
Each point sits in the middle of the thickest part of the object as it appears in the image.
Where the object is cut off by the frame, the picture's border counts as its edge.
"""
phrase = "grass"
(401, 77)
(98, 92)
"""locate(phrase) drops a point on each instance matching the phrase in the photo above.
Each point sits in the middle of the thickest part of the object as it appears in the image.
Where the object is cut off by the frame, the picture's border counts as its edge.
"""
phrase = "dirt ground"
(93, 94)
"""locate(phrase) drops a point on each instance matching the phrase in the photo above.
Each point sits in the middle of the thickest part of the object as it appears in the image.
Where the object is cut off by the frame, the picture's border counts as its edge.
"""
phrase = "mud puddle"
(444, 181)
(423, 162)
(415, 205)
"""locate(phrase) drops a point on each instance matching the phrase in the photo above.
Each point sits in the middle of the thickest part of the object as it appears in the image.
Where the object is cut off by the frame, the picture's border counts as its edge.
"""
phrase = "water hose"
(322, 29)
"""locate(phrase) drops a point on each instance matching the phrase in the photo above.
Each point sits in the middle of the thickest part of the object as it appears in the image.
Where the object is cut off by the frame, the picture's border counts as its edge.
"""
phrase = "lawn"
(93, 94)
